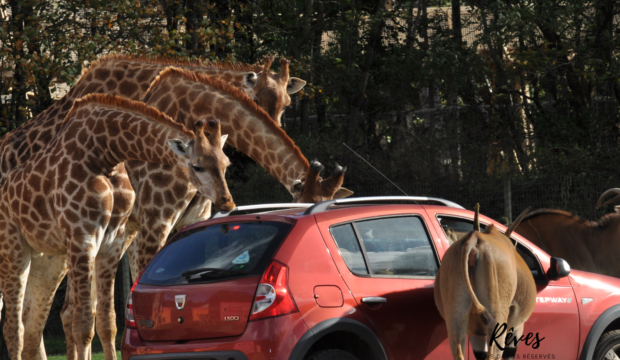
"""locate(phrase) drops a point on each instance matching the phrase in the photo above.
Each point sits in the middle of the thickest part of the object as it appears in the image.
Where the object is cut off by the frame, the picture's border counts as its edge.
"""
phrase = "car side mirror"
(559, 268)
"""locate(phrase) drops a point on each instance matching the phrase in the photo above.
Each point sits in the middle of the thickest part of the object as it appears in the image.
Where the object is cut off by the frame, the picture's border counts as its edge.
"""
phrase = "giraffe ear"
(297, 187)
(294, 85)
(342, 193)
(180, 148)
(224, 137)
(249, 79)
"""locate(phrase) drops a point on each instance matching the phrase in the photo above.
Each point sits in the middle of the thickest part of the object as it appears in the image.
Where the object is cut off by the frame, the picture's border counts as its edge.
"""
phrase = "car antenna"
(401, 190)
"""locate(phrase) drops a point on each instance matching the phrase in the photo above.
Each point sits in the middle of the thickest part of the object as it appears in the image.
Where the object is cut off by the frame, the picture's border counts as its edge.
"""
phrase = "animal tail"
(468, 258)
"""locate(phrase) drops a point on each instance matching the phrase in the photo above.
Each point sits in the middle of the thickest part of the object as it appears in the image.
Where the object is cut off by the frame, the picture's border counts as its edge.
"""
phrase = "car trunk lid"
(202, 284)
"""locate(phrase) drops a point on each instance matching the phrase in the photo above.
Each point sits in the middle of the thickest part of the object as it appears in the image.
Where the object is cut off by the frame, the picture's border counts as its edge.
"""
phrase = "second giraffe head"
(207, 162)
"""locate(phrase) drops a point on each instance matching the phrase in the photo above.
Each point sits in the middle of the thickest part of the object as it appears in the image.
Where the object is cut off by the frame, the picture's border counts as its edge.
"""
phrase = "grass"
(96, 356)
(56, 347)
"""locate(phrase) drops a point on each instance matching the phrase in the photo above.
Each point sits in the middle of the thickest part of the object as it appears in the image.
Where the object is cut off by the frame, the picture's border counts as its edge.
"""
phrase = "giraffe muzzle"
(226, 204)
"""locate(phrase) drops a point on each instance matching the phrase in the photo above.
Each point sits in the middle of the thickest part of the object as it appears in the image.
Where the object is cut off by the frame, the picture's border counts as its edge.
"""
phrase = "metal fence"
(500, 198)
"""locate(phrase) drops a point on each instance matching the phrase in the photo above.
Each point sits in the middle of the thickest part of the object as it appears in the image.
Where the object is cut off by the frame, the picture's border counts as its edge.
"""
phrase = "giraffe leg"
(14, 270)
(81, 254)
(46, 273)
(66, 315)
(105, 268)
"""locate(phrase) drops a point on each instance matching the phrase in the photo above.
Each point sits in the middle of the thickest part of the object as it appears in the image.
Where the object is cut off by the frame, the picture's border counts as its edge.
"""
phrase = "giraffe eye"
(198, 168)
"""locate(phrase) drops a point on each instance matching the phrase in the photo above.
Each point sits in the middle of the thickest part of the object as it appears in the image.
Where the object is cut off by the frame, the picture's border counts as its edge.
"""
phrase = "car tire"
(608, 346)
(332, 355)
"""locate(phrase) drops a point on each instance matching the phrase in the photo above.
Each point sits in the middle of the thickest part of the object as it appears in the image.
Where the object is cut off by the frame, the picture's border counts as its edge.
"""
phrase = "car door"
(389, 265)
(556, 305)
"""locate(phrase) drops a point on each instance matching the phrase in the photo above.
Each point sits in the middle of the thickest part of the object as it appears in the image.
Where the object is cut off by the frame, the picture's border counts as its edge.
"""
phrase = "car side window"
(532, 263)
(393, 246)
(349, 248)
(456, 228)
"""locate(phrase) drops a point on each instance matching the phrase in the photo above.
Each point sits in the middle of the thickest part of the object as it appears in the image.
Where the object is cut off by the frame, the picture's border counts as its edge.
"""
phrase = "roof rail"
(322, 206)
(222, 213)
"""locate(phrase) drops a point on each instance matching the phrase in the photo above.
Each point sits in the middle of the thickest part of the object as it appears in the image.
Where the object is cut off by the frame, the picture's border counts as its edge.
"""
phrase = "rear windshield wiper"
(209, 271)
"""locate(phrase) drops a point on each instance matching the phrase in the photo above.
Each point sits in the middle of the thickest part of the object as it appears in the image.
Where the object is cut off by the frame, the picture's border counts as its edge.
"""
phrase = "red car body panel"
(397, 329)
(272, 338)
(408, 326)
(203, 315)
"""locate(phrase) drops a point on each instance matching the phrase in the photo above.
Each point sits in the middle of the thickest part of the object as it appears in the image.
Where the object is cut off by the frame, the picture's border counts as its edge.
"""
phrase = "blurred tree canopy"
(424, 90)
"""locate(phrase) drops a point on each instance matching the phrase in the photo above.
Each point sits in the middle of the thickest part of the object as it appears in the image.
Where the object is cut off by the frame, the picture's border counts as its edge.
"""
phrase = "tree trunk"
(297, 49)
(193, 15)
(353, 132)
(172, 8)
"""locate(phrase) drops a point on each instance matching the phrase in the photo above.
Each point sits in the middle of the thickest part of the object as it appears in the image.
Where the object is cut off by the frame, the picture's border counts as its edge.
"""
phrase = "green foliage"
(523, 88)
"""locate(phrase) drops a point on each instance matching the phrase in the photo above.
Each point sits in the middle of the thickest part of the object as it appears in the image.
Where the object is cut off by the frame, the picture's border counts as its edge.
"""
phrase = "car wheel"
(608, 347)
(332, 355)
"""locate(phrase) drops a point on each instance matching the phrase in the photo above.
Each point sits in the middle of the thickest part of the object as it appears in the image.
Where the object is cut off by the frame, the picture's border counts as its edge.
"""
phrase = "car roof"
(333, 204)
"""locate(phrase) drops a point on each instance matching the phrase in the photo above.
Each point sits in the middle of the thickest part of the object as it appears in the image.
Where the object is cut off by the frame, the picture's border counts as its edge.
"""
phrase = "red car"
(342, 280)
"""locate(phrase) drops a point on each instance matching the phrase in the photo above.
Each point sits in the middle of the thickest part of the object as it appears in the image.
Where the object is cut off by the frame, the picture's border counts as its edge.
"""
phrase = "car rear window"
(217, 252)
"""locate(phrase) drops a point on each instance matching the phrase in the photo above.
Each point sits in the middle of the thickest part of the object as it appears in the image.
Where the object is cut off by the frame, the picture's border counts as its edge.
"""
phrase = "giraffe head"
(313, 188)
(271, 91)
(206, 162)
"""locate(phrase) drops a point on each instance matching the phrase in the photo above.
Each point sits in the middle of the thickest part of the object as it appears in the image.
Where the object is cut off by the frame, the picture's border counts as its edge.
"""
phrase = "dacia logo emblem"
(179, 300)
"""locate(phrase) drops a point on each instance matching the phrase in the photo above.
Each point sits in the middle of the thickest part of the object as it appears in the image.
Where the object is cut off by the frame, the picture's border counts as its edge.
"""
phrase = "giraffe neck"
(102, 134)
(188, 97)
(115, 75)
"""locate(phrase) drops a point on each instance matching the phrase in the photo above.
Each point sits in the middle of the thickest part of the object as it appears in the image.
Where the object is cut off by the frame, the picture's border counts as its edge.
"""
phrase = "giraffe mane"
(172, 61)
(245, 101)
(130, 105)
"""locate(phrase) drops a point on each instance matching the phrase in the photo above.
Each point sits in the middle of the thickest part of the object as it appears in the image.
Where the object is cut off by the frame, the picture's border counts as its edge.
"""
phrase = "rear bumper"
(272, 338)
(212, 355)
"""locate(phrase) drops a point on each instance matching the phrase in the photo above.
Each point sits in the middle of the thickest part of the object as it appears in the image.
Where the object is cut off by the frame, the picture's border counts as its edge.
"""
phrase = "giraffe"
(128, 76)
(187, 96)
(62, 203)
(131, 76)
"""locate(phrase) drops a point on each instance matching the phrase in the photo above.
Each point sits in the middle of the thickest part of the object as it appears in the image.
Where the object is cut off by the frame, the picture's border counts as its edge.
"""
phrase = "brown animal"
(63, 203)
(586, 245)
(483, 283)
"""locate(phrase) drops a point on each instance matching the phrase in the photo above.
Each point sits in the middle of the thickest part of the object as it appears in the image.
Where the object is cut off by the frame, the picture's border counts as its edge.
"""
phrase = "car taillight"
(130, 319)
(273, 297)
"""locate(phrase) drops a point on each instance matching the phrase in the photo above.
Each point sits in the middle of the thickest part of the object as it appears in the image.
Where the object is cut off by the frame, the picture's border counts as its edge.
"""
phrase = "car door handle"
(374, 300)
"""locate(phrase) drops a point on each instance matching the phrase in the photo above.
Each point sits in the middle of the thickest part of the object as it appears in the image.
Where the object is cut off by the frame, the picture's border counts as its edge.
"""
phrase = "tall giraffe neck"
(188, 97)
(115, 75)
(109, 130)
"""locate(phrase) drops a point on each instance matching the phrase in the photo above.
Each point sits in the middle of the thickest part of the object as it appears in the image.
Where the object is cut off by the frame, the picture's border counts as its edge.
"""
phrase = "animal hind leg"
(496, 335)
(105, 268)
(66, 314)
(81, 254)
(457, 334)
(46, 273)
(479, 346)
(14, 268)
(513, 341)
